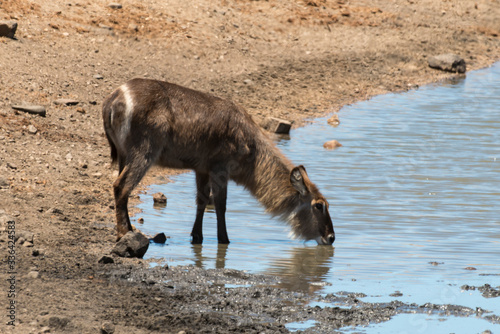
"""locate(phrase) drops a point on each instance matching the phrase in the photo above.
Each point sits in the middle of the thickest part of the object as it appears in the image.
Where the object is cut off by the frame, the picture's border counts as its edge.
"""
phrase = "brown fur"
(176, 127)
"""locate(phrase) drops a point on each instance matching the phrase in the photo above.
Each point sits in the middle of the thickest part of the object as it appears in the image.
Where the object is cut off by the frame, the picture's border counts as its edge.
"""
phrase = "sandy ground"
(290, 59)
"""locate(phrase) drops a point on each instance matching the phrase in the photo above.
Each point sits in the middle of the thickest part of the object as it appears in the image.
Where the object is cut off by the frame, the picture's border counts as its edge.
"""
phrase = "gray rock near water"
(31, 109)
(8, 28)
(132, 244)
(448, 62)
(277, 125)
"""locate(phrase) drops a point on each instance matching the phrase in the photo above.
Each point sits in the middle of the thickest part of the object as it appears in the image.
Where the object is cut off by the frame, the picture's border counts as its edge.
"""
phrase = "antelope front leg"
(218, 183)
(202, 198)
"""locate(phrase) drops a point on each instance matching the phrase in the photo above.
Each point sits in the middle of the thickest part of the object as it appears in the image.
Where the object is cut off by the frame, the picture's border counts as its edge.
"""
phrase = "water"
(414, 195)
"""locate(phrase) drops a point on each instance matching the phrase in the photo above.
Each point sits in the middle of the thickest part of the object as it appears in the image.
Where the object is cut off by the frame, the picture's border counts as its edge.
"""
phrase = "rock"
(24, 236)
(58, 323)
(4, 183)
(277, 125)
(132, 244)
(38, 252)
(448, 62)
(159, 199)
(98, 77)
(107, 328)
(32, 274)
(8, 29)
(115, 5)
(32, 129)
(31, 109)
(106, 260)
(334, 120)
(133, 27)
(159, 238)
(66, 102)
(332, 144)
(248, 82)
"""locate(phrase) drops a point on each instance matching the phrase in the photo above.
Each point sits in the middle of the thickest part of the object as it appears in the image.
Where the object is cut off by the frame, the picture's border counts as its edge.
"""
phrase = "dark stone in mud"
(159, 238)
(8, 29)
(132, 244)
(448, 62)
(106, 260)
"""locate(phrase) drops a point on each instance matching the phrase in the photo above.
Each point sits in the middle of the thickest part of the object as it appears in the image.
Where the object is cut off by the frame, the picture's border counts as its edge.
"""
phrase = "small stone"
(4, 183)
(332, 144)
(32, 274)
(107, 328)
(45, 329)
(159, 238)
(115, 5)
(470, 268)
(68, 157)
(248, 82)
(133, 27)
(11, 165)
(132, 244)
(32, 129)
(277, 125)
(8, 29)
(81, 110)
(38, 252)
(66, 102)
(140, 221)
(27, 244)
(31, 109)
(98, 77)
(106, 260)
(334, 120)
(24, 236)
(159, 199)
(448, 62)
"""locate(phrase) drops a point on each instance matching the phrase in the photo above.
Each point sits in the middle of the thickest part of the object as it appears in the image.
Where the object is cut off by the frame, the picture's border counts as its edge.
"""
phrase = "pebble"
(66, 102)
(277, 125)
(159, 238)
(106, 260)
(33, 109)
(98, 77)
(32, 274)
(159, 199)
(107, 328)
(115, 5)
(332, 144)
(32, 129)
(8, 29)
(334, 120)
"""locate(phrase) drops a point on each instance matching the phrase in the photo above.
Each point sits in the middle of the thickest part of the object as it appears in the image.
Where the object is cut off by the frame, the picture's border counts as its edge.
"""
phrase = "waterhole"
(414, 196)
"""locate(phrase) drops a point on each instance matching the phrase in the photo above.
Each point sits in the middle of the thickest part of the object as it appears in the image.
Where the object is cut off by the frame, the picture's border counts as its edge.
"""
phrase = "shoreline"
(291, 60)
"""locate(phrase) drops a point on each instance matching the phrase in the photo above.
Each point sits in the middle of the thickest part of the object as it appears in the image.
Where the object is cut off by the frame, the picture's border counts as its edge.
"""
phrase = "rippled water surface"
(414, 195)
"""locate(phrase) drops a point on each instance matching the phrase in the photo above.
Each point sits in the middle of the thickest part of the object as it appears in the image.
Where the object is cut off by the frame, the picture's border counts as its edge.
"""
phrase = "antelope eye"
(319, 206)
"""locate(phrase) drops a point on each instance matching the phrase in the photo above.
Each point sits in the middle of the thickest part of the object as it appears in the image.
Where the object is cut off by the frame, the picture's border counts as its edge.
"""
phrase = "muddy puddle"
(414, 194)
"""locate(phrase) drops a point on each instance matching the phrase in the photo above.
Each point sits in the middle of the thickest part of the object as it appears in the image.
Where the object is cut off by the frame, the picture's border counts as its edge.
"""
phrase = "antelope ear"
(297, 177)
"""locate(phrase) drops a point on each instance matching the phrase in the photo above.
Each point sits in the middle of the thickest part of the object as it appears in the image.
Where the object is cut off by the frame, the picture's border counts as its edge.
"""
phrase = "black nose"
(331, 238)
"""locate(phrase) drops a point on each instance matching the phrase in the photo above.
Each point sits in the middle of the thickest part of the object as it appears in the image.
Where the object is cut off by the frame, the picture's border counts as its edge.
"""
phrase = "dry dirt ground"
(291, 59)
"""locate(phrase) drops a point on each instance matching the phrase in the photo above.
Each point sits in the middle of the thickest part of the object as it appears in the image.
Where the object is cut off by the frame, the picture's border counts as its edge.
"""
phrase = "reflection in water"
(306, 270)
(220, 260)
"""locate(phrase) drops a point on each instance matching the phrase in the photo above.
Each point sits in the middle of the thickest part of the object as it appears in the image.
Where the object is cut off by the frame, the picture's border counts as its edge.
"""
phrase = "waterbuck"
(153, 122)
